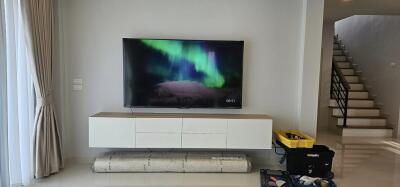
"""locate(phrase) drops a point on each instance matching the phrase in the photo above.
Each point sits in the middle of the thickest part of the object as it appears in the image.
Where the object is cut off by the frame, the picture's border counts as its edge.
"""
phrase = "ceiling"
(339, 9)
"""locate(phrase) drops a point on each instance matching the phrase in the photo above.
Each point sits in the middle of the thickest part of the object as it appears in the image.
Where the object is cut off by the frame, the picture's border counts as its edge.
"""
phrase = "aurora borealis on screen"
(179, 53)
(182, 73)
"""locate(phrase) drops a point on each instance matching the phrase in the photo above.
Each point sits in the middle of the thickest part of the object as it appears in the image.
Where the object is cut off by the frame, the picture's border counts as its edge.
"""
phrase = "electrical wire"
(275, 149)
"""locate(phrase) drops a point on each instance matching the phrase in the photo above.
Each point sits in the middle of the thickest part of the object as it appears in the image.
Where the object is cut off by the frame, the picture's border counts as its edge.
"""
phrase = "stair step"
(357, 112)
(367, 131)
(347, 71)
(355, 103)
(336, 46)
(369, 117)
(352, 78)
(359, 122)
(338, 52)
(369, 127)
(358, 94)
(343, 64)
(364, 121)
(356, 86)
(341, 58)
(349, 107)
(363, 126)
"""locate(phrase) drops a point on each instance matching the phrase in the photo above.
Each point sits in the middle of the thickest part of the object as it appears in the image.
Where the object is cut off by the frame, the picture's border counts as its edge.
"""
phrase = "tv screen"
(182, 73)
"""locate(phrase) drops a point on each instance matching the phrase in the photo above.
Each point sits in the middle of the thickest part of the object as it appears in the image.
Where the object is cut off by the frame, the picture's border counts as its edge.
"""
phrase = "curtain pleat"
(47, 154)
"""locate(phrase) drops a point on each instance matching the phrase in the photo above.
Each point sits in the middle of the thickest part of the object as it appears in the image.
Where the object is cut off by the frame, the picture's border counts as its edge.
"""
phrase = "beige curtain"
(38, 18)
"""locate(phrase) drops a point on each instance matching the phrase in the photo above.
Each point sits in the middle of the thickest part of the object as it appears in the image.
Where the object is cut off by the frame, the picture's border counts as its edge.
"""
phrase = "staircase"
(351, 104)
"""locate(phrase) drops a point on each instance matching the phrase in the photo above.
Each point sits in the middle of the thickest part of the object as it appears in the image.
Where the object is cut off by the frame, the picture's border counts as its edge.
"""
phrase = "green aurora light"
(192, 53)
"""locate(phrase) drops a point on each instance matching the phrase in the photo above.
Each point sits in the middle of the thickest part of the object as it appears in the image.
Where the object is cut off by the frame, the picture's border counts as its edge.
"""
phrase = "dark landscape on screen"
(182, 73)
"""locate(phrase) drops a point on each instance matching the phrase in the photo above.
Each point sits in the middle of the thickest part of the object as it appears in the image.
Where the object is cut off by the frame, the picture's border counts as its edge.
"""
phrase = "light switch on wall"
(77, 84)
(77, 87)
(77, 81)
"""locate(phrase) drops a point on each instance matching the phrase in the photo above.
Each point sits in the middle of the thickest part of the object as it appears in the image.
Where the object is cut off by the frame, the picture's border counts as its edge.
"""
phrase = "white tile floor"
(358, 162)
(364, 161)
(80, 175)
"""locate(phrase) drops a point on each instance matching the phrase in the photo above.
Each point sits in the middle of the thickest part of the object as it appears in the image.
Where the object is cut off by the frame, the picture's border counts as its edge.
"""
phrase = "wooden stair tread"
(374, 107)
(357, 116)
(361, 99)
(365, 127)
(369, 99)
(358, 90)
(362, 117)
(355, 99)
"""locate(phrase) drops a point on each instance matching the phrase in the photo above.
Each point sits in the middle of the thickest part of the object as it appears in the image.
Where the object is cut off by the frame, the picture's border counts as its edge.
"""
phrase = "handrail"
(341, 76)
(340, 90)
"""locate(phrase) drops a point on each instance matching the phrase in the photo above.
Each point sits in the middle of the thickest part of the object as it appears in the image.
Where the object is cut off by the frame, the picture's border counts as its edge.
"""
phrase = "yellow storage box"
(298, 139)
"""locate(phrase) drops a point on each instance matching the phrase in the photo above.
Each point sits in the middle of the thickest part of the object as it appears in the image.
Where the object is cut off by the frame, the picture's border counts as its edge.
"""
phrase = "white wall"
(325, 76)
(313, 11)
(91, 49)
(374, 43)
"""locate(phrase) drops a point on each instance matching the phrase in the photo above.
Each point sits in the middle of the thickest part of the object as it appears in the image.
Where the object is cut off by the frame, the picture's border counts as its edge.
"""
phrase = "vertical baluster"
(339, 91)
(332, 79)
(346, 101)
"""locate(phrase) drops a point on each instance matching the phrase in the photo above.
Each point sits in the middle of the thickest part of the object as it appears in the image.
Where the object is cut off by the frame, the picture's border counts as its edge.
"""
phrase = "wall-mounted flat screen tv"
(171, 73)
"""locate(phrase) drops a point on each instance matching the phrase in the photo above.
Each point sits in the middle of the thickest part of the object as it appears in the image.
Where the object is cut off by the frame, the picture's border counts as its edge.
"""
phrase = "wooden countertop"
(180, 115)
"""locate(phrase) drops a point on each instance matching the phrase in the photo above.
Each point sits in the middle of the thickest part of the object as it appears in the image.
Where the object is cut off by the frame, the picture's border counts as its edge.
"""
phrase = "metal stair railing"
(340, 90)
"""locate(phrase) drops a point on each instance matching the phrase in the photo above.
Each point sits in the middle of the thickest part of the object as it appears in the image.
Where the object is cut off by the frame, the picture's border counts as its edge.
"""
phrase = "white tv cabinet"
(161, 130)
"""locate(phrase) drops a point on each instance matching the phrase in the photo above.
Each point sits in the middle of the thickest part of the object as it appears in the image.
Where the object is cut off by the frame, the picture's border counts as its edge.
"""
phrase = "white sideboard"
(155, 130)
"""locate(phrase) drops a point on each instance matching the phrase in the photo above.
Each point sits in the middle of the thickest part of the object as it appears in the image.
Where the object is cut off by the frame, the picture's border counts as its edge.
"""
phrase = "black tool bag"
(266, 174)
(314, 162)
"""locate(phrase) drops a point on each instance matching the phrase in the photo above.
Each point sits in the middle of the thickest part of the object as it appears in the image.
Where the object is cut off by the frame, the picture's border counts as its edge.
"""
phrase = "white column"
(313, 12)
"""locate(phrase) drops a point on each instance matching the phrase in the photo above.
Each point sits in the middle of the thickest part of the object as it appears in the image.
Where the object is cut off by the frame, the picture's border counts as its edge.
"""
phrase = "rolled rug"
(215, 162)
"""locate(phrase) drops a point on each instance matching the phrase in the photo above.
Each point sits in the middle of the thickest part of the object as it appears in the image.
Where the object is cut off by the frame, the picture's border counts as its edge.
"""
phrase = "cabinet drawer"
(111, 132)
(249, 134)
(158, 140)
(159, 125)
(204, 141)
(198, 125)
